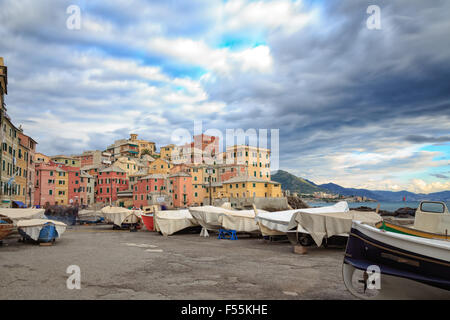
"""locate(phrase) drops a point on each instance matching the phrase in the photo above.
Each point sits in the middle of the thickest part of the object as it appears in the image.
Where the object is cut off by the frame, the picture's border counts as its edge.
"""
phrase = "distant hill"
(295, 184)
(386, 195)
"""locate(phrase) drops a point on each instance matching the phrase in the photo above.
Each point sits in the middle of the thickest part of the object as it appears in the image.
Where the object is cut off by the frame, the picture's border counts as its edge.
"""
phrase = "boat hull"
(383, 225)
(6, 227)
(423, 267)
(148, 221)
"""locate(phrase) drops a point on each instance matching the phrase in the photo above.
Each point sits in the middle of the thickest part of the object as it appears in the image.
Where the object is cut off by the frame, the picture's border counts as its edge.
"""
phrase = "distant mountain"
(386, 195)
(295, 184)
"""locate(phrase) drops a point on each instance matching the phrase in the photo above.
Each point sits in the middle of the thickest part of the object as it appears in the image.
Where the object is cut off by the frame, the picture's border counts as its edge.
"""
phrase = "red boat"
(148, 221)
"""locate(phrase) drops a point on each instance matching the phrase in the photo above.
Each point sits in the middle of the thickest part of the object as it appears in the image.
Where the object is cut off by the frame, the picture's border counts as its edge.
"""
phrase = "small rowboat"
(6, 227)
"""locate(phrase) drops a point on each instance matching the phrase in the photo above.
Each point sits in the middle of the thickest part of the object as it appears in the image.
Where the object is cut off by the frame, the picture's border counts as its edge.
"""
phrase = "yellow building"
(66, 160)
(256, 159)
(166, 152)
(142, 144)
(159, 166)
(61, 187)
(130, 165)
(21, 173)
(246, 187)
(40, 157)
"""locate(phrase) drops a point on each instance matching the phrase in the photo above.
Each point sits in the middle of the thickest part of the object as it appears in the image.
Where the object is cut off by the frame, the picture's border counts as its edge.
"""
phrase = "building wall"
(9, 150)
(67, 161)
(62, 187)
(159, 166)
(119, 182)
(21, 173)
(181, 191)
(30, 158)
(146, 187)
(257, 160)
(45, 184)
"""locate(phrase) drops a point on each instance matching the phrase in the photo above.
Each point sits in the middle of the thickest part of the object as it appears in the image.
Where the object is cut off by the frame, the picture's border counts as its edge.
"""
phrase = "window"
(50, 192)
(434, 207)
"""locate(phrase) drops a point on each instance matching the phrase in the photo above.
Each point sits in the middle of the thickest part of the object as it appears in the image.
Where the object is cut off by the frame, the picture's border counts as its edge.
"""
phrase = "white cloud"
(220, 60)
(282, 14)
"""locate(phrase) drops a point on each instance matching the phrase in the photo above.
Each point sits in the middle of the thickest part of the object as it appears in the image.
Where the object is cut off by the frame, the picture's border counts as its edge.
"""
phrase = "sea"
(388, 206)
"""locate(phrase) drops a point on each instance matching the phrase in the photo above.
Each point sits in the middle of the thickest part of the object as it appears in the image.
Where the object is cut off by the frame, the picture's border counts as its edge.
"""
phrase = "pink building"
(44, 184)
(147, 186)
(110, 181)
(181, 187)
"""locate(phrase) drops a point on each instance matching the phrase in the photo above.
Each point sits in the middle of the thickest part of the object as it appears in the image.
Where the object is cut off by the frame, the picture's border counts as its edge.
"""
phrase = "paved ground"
(146, 265)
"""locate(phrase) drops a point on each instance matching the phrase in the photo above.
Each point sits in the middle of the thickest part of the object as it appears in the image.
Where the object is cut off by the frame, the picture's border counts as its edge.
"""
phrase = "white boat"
(215, 218)
(327, 222)
(410, 267)
(41, 230)
(303, 231)
(89, 216)
(22, 214)
(121, 217)
(170, 221)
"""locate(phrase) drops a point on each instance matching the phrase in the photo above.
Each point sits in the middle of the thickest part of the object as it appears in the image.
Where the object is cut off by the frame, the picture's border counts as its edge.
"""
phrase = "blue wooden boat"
(409, 267)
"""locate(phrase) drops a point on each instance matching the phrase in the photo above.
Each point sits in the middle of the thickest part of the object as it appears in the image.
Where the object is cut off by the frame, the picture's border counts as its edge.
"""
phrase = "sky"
(360, 107)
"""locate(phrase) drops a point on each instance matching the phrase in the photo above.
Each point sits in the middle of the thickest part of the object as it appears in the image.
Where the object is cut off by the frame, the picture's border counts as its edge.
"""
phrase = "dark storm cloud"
(341, 75)
(427, 139)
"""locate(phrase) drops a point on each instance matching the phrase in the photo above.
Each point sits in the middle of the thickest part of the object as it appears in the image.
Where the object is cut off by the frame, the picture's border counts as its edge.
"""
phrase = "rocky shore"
(406, 212)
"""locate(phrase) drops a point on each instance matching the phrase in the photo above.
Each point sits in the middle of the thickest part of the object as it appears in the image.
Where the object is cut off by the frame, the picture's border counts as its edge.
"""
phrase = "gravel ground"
(146, 265)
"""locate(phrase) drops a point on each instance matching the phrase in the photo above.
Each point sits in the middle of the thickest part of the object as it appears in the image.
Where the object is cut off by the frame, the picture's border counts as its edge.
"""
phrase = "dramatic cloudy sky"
(358, 107)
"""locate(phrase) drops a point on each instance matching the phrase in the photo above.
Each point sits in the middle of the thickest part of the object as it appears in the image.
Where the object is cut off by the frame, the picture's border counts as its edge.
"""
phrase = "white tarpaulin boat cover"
(327, 224)
(214, 218)
(276, 223)
(120, 215)
(33, 227)
(22, 214)
(85, 212)
(170, 221)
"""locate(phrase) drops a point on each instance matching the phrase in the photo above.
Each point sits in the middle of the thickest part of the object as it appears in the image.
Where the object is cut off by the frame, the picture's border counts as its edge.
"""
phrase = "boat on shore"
(41, 230)
(122, 218)
(90, 217)
(6, 227)
(169, 222)
(431, 221)
(215, 218)
(410, 267)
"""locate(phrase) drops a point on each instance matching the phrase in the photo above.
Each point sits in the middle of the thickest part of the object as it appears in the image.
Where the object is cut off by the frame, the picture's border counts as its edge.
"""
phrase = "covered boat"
(278, 222)
(41, 230)
(409, 267)
(121, 217)
(214, 218)
(170, 221)
(89, 216)
(22, 214)
(327, 222)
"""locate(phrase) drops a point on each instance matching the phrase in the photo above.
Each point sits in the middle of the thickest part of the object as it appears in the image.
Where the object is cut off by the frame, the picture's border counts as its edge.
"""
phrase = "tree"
(146, 151)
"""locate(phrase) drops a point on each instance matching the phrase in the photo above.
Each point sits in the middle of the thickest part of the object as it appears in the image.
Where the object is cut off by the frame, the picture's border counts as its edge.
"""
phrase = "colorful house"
(147, 190)
(45, 184)
(110, 181)
(181, 189)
